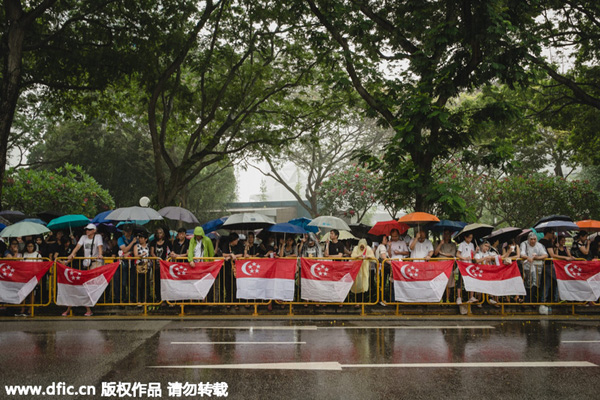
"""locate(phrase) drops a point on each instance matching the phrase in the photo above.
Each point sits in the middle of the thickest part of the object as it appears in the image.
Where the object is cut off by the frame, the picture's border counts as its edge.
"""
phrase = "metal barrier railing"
(358, 300)
(41, 296)
(129, 288)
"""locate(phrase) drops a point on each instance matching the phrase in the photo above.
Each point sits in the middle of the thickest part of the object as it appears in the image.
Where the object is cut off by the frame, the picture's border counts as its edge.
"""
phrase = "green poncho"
(209, 250)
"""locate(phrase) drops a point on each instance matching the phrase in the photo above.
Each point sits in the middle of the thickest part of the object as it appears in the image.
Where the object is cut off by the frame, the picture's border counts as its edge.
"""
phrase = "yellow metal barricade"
(41, 296)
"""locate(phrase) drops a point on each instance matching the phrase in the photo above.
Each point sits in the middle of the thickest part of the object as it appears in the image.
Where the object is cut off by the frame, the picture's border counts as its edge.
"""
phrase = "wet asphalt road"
(321, 360)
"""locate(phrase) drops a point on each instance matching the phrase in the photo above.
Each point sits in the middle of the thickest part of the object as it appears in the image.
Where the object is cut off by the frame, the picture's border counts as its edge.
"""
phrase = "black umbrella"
(49, 215)
(361, 231)
(478, 231)
(503, 235)
(553, 218)
(13, 216)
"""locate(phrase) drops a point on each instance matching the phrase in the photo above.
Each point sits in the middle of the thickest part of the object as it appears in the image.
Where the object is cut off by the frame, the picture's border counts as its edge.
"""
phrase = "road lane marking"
(412, 327)
(238, 342)
(335, 366)
(500, 364)
(303, 366)
(274, 328)
(580, 341)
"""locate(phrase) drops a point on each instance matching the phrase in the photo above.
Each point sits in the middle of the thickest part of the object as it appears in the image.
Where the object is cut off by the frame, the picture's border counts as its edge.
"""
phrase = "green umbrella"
(68, 221)
(24, 228)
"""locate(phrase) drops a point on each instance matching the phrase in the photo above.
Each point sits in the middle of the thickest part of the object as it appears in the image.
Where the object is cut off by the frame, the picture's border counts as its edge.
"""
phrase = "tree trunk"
(11, 80)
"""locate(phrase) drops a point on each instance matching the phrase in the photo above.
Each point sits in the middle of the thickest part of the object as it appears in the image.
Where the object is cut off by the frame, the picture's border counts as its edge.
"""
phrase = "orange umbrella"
(416, 218)
(589, 225)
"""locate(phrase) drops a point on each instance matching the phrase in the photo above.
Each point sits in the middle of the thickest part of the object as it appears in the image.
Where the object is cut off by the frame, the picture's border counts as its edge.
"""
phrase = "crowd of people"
(138, 279)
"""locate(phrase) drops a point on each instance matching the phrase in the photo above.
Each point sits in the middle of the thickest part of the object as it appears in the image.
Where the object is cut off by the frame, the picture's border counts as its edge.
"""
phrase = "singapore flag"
(19, 278)
(578, 280)
(497, 280)
(327, 280)
(179, 281)
(420, 282)
(77, 288)
(265, 278)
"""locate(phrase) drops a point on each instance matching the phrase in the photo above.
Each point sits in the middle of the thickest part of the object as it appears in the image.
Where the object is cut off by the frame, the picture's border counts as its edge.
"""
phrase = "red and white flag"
(420, 282)
(265, 278)
(578, 280)
(19, 278)
(497, 280)
(77, 288)
(179, 281)
(327, 280)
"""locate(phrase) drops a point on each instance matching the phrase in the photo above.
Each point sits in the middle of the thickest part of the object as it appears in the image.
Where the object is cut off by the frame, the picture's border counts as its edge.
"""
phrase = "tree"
(50, 48)
(327, 141)
(217, 83)
(433, 51)
(66, 189)
(349, 193)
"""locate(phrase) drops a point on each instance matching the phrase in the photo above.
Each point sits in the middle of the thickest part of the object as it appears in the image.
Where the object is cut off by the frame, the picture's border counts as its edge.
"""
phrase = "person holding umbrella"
(534, 253)
(446, 248)
(466, 253)
(581, 246)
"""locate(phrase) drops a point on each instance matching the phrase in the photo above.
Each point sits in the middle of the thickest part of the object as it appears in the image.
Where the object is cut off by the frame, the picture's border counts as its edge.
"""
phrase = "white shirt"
(199, 249)
(398, 245)
(381, 249)
(466, 250)
(421, 249)
(86, 243)
(490, 253)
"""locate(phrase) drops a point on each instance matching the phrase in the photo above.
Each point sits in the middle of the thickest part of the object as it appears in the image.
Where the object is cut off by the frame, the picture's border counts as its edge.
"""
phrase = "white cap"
(90, 226)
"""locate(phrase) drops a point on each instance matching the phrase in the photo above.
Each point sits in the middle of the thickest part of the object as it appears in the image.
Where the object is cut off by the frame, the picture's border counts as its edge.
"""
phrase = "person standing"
(126, 272)
(92, 249)
(421, 248)
(446, 248)
(533, 253)
(465, 253)
(333, 247)
(180, 245)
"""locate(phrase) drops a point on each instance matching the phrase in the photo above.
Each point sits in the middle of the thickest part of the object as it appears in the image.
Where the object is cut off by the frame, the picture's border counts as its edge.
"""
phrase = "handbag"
(142, 267)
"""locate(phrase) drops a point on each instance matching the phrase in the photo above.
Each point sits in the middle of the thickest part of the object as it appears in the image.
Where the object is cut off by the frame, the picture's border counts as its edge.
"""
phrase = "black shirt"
(254, 250)
(181, 248)
(160, 250)
(336, 248)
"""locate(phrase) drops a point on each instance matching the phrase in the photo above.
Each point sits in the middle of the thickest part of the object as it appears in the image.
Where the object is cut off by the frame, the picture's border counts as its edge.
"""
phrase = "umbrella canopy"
(178, 214)
(134, 213)
(386, 227)
(454, 226)
(589, 225)
(303, 223)
(417, 218)
(552, 218)
(24, 228)
(49, 215)
(330, 222)
(361, 231)
(213, 225)
(478, 231)
(344, 235)
(558, 226)
(101, 218)
(503, 235)
(13, 216)
(36, 220)
(525, 232)
(247, 221)
(286, 227)
(68, 221)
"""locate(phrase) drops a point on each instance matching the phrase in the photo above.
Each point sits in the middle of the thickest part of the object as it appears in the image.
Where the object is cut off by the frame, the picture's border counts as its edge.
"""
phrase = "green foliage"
(522, 200)
(67, 190)
(348, 193)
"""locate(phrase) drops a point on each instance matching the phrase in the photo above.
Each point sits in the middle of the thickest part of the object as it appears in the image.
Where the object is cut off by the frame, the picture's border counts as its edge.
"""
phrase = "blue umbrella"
(213, 225)
(35, 220)
(286, 227)
(101, 218)
(68, 221)
(303, 223)
(444, 224)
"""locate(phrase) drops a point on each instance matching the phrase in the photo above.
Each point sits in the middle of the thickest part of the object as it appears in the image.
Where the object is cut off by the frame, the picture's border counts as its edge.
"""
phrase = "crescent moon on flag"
(403, 271)
(566, 267)
(171, 270)
(312, 270)
(67, 275)
(469, 271)
(244, 265)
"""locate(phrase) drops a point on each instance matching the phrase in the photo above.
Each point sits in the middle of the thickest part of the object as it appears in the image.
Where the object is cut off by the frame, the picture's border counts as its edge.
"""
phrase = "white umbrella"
(329, 222)
(247, 221)
(134, 213)
(179, 214)
(344, 235)
(24, 228)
